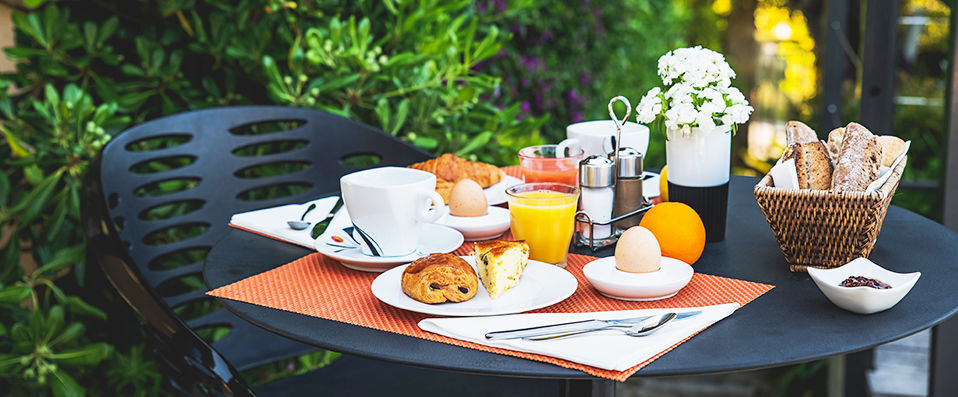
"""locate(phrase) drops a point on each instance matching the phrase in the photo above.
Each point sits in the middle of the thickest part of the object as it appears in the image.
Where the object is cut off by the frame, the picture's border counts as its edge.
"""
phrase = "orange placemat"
(321, 287)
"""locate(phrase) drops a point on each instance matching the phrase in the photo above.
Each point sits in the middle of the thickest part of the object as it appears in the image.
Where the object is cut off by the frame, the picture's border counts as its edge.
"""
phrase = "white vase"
(698, 175)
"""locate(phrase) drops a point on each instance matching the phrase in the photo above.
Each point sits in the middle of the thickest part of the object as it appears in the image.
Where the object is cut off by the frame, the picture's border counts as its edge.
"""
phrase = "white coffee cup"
(386, 206)
(595, 137)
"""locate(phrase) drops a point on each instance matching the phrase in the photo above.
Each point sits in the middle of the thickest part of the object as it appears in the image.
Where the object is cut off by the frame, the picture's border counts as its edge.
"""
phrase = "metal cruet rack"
(583, 217)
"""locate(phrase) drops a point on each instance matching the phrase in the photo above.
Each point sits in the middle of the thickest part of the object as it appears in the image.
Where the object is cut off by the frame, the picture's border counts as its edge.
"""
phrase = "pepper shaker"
(597, 190)
(628, 187)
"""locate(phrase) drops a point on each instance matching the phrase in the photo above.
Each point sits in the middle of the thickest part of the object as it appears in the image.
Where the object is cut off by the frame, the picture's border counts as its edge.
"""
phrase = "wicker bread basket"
(824, 229)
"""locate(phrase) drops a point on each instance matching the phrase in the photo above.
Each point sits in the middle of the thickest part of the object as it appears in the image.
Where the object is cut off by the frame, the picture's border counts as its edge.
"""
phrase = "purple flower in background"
(574, 98)
(545, 37)
(585, 79)
(532, 64)
(525, 107)
(576, 116)
(501, 5)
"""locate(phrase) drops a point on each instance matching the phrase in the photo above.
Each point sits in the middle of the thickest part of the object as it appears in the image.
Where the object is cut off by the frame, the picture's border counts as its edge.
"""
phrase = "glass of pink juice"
(540, 164)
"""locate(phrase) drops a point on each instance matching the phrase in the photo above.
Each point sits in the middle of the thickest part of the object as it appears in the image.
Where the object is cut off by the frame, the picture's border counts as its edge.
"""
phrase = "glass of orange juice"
(543, 164)
(543, 214)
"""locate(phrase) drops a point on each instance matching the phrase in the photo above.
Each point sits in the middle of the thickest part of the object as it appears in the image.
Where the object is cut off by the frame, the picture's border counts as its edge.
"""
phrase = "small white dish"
(434, 238)
(863, 300)
(476, 228)
(496, 194)
(671, 277)
(650, 184)
(541, 285)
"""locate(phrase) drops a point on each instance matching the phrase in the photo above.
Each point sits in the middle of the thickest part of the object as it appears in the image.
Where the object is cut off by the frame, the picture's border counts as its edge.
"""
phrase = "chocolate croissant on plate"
(439, 278)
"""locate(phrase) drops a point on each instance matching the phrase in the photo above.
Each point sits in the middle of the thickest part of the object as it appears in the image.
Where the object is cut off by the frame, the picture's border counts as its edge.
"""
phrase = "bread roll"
(892, 147)
(439, 278)
(859, 160)
(812, 164)
(798, 132)
(835, 144)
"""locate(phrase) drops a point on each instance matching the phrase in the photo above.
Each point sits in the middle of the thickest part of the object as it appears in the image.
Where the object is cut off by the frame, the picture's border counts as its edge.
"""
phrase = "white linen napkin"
(784, 174)
(271, 222)
(885, 172)
(609, 349)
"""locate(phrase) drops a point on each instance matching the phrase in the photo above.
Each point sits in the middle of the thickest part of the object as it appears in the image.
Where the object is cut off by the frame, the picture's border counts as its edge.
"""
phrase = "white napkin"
(885, 172)
(271, 222)
(784, 174)
(608, 349)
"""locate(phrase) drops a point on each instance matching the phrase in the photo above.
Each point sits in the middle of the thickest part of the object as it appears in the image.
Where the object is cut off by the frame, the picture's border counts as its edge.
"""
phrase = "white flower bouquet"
(697, 93)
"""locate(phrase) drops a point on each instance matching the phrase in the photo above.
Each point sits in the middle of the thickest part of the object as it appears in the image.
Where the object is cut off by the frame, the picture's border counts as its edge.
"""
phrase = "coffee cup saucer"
(489, 226)
(496, 194)
(340, 247)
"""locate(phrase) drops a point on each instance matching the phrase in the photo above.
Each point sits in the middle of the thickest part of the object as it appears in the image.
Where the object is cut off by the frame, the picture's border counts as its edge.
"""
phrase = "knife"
(322, 225)
(575, 326)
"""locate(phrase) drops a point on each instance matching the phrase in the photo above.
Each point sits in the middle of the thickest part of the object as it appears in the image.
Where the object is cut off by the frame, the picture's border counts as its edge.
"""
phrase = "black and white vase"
(698, 174)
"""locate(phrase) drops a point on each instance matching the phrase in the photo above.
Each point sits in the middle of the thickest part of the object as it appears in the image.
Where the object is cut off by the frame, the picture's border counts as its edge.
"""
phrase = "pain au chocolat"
(439, 278)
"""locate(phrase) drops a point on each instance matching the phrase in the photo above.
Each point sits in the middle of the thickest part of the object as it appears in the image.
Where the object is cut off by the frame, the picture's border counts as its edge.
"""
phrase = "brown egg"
(638, 251)
(467, 199)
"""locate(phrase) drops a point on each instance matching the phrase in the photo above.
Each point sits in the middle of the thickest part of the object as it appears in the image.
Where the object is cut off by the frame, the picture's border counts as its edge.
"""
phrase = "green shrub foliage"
(86, 71)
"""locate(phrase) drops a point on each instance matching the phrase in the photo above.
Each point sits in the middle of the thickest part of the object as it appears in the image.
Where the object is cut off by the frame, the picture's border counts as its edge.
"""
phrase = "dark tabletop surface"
(792, 323)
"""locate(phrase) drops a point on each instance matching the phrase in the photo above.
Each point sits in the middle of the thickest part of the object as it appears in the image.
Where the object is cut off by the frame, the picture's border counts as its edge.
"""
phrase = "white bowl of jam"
(863, 287)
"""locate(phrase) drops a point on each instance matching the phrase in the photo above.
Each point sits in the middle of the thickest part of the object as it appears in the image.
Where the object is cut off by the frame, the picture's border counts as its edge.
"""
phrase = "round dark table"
(790, 324)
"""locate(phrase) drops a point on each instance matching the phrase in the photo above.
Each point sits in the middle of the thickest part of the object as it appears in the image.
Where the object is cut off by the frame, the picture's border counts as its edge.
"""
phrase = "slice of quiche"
(500, 264)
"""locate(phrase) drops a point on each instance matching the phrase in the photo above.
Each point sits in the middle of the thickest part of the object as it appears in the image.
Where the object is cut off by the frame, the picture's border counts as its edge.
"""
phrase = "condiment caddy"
(611, 190)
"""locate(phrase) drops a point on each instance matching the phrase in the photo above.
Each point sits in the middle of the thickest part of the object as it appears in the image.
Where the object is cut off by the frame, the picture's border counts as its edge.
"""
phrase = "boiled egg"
(467, 199)
(638, 251)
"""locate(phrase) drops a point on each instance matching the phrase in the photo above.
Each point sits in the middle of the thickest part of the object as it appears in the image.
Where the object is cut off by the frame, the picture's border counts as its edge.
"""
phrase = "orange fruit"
(678, 229)
(664, 183)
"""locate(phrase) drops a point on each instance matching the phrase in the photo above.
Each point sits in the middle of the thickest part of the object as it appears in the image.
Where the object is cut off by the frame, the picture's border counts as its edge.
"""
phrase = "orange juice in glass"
(541, 164)
(543, 214)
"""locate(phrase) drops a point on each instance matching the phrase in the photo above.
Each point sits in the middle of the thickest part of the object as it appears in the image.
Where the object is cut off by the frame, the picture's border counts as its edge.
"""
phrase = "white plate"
(671, 277)
(496, 194)
(435, 238)
(650, 184)
(487, 227)
(541, 285)
(863, 300)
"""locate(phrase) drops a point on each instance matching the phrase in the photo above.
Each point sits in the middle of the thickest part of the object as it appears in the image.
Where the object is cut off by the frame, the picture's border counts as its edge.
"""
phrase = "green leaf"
(84, 356)
(4, 189)
(334, 84)
(63, 258)
(34, 202)
(10, 265)
(17, 147)
(29, 24)
(78, 306)
(89, 34)
(107, 29)
(63, 385)
(72, 331)
(14, 293)
(426, 142)
(475, 143)
(33, 3)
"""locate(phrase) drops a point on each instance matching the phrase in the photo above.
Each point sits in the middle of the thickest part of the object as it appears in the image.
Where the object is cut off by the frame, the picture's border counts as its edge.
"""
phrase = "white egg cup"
(477, 228)
(672, 276)
(863, 300)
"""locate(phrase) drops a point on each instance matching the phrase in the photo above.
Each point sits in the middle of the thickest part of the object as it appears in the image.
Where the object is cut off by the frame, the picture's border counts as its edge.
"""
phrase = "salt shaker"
(628, 187)
(597, 190)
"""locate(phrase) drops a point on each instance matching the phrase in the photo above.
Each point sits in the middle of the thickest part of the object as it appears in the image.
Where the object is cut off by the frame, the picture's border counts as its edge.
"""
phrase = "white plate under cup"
(595, 137)
(386, 206)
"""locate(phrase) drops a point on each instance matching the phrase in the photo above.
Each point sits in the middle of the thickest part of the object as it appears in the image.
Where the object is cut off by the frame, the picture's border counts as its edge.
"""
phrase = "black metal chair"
(166, 189)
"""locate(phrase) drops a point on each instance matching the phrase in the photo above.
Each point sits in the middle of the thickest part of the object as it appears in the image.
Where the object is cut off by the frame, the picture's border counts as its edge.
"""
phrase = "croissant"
(450, 168)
